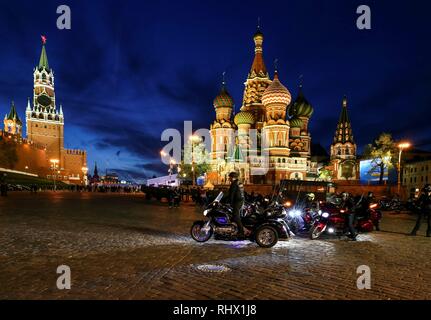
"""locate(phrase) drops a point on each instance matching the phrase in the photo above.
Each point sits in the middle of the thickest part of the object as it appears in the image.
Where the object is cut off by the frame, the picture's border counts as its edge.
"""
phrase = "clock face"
(44, 100)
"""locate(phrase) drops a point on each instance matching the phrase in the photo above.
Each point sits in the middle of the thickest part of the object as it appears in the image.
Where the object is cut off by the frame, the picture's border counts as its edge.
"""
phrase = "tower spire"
(43, 61)
(344, 128)
(258, 68)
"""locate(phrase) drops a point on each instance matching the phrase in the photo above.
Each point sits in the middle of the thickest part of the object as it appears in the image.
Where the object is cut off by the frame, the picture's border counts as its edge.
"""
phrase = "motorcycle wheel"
(266, 237)
(197, 233)
(315, 232)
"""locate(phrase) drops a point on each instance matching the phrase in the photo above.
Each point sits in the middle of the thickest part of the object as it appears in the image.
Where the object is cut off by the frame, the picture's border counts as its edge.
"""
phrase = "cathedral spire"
(344, 128)
(258, 68)
(43, 61)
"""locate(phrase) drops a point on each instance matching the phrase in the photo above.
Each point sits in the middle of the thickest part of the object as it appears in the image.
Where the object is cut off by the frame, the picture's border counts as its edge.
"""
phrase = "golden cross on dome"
(301, 80)
(276, 64)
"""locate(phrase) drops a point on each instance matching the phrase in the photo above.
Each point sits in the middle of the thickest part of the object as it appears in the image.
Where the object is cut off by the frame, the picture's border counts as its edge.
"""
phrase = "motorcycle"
(393, 204)
(332, 220)
(267, 226)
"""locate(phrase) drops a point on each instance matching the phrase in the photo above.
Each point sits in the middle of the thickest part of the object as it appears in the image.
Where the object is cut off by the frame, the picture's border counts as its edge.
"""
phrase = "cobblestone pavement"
(121, 247)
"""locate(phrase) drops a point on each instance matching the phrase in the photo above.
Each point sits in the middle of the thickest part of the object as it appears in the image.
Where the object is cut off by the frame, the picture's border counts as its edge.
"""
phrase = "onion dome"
(276, 93)
(301, 107)
(295, 123)
(244, 117)
(224, 99)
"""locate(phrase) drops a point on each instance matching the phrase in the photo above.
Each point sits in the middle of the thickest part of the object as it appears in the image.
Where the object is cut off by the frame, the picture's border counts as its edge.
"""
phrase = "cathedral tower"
(300, 138)
(275, 130)
(256, 83)
(222, 130)
(343, 148)
(45, 124)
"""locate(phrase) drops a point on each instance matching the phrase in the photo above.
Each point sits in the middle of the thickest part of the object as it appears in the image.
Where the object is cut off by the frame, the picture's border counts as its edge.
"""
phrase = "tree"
(199, 157)
(325, 175)
(8, 154)
(382, 154)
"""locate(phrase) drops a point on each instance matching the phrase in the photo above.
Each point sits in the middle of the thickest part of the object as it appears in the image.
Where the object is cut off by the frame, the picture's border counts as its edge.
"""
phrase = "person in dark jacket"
(348, 204)
(235, 198)
(424, 210)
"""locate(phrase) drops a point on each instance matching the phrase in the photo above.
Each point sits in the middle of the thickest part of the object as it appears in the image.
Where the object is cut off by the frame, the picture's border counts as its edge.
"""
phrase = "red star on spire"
(43, 39)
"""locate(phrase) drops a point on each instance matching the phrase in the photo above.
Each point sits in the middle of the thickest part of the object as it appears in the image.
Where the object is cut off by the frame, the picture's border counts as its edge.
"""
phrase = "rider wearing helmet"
(424, 206)
(348, 205)
(235, 198)
(310, 202)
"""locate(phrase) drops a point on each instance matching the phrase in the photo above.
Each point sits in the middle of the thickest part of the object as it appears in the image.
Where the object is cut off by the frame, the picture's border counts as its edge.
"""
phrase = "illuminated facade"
(268, 140)
(344, 165)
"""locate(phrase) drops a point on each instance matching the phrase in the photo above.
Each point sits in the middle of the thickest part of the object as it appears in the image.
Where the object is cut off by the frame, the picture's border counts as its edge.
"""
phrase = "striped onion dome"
(244, 117)
(224, 99)
(295, 123)
(276, 93)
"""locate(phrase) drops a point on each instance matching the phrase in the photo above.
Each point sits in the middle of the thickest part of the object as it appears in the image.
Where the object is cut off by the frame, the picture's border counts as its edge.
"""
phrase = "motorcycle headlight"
(325, 215)
(294, 213)
(206, 212)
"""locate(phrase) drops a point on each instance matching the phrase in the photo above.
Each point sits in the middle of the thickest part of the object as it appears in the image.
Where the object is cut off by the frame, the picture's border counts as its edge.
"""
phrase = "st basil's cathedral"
(269, 140)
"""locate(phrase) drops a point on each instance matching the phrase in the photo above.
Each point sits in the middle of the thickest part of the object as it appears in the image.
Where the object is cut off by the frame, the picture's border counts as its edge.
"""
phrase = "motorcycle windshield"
(219, 197)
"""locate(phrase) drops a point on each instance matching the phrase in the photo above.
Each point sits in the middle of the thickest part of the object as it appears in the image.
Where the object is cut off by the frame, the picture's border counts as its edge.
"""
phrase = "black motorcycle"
(266, 226)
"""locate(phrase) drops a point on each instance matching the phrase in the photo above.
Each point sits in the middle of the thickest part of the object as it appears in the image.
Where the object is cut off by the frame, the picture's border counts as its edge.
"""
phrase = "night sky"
(130, 69)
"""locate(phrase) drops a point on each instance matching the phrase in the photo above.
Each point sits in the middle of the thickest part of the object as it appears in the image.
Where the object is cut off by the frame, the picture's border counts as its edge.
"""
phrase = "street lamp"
(401, 146)
(193, 139)
(54, 164)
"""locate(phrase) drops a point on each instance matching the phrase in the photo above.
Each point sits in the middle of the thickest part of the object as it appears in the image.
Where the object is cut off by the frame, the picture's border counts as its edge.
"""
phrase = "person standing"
(235, 197)
(348, 205)
(424, 210)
